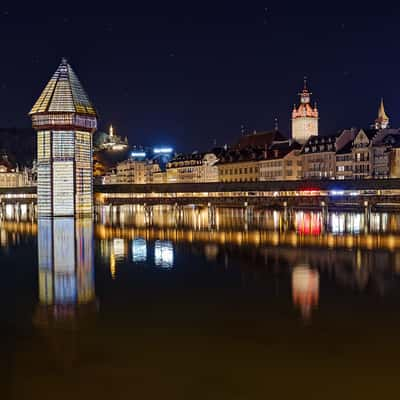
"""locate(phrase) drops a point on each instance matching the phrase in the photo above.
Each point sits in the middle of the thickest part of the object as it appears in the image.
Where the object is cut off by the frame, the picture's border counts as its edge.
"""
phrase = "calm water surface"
(200, 304)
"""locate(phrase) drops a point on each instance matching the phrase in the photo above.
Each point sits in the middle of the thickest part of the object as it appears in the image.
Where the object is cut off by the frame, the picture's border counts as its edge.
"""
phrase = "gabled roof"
(346, 149)
(259, 139)
(370, 133)
(64, 93)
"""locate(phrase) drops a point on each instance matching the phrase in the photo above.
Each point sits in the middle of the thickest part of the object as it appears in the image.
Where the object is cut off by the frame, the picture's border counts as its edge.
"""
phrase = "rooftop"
(259, 139)
(64, 93)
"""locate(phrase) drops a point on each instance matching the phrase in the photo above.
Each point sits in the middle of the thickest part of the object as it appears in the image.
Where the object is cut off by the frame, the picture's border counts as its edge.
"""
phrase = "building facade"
(65, 120)
(132, 171)
(319, 158)
(304, 118)
(193, 168)
(283, 162)
(10, 175)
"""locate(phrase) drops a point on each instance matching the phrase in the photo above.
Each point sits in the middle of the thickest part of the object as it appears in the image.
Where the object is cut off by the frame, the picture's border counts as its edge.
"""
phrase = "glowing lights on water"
(139, 250)
(305, 289)
(163, 254)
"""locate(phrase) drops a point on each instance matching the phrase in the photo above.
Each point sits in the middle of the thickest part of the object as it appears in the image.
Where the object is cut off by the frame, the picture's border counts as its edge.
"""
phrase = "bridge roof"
(269, 186)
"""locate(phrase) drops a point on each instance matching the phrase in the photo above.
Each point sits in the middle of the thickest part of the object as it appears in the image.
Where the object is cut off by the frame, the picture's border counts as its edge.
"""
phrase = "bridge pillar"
(178, 214)
(367, 215)
(212, 212)
(17, 211)
(324, 214)
(148, 212)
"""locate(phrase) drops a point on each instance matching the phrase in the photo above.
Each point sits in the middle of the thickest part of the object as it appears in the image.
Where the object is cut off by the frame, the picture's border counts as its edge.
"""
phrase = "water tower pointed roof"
(64, 93)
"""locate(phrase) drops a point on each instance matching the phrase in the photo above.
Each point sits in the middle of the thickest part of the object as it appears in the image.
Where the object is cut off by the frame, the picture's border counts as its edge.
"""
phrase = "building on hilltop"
(304, 117)
(110, 141)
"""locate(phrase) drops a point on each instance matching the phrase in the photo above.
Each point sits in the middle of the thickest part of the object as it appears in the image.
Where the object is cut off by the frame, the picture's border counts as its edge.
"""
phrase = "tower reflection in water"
(305, 289)
(66, 269)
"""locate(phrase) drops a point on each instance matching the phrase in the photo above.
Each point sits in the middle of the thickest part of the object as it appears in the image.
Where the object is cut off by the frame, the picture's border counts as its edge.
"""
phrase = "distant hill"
(110, 159)
(19, 143)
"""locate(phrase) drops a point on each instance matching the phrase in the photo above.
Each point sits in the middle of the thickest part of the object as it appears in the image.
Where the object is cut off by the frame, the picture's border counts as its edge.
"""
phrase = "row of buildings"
(265, 156)
(257, 156)
(350, 154)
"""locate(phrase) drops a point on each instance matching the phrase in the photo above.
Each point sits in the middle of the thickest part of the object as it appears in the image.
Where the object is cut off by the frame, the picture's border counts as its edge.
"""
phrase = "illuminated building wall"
(65, 121)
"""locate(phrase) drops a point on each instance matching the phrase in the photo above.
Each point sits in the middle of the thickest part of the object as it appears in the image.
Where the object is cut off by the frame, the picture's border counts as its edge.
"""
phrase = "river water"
(198, 303)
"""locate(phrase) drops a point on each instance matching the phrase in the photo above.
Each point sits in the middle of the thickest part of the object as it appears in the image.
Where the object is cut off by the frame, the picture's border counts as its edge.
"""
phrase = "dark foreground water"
(200, 304)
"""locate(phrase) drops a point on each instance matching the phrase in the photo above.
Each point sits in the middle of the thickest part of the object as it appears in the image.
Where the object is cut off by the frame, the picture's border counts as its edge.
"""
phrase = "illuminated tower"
(65, 120)
(382, 122)
(304, 117)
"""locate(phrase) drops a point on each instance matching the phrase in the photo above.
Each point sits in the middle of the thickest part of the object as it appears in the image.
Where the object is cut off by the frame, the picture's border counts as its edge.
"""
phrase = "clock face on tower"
(305, 99)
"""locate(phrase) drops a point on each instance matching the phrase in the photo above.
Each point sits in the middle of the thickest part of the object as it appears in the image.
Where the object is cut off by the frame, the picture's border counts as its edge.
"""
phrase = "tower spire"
(276, 124)
(382, 121)
(305, 83)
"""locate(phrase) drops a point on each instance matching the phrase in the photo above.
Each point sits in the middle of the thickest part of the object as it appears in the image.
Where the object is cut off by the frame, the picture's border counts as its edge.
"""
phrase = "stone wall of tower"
(303, 128)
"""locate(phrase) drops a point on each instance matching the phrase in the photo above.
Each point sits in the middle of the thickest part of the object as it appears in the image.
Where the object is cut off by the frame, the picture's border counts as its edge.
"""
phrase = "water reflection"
(66, 268)
(139, 250)
(355, 251)
(305, 289)
(206, 218)
(163, 254)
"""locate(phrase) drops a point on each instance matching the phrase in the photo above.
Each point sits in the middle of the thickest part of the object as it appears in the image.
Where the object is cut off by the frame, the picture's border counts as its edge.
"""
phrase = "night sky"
(186, 76)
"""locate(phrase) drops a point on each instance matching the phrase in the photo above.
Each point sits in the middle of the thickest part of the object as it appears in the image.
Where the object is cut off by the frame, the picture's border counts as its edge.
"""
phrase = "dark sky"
(188, 75)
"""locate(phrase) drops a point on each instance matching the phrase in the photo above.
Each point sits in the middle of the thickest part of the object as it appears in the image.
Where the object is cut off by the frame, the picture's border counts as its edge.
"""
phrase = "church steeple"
(305, 95)
(382, 121)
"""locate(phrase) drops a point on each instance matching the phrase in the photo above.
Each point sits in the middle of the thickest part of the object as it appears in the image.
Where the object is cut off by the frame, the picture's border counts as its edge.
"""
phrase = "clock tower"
(304, 117)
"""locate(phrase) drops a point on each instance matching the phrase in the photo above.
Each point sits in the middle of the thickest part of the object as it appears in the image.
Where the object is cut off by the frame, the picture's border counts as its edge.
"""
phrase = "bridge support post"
(285, 213)
(324, 214)
(211, 216)
(17, 211)
(367, 215)
(148, 210)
